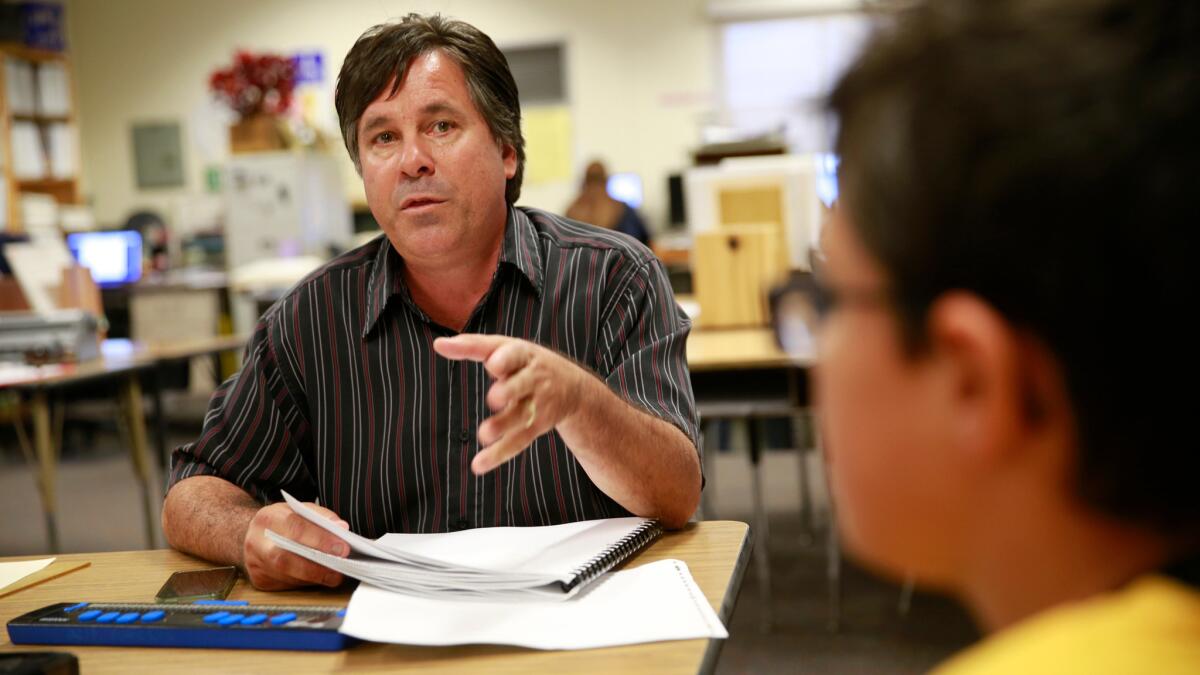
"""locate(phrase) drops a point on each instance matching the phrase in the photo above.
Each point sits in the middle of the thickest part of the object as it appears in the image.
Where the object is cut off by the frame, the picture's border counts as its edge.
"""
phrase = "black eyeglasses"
(803, 302)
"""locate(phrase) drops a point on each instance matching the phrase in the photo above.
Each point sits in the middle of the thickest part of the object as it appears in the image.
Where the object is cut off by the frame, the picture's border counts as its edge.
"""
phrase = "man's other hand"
(535, 390)
(271, 568)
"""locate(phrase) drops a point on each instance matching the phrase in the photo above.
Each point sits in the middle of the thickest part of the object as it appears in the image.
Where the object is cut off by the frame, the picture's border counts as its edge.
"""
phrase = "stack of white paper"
(655, 602)
(511, 562)
(53, 92)
(39, 216)
(501, 585)
(38, 266)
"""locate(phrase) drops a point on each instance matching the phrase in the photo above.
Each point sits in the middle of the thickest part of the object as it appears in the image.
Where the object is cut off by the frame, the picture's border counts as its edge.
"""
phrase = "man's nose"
(416, 160)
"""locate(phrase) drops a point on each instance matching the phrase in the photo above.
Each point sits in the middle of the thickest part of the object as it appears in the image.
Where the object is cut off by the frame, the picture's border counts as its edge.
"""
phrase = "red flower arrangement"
(255, 84)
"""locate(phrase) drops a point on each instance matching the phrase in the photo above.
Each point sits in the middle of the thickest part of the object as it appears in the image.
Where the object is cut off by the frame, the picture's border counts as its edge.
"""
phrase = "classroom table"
(715, 552)
(741, 375)
(122, 362)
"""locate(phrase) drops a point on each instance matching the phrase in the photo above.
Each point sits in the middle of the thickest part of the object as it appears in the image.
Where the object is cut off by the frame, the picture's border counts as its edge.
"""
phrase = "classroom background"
(120, 150)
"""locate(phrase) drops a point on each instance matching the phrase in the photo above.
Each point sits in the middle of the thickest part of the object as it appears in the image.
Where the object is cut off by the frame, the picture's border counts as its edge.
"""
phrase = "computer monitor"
(626, 187)
(826, 165)
(676, 204)
(792, 192)
(114, 257)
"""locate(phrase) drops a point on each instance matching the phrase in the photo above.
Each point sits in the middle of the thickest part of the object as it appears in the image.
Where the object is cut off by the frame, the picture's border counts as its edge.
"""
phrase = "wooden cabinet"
(39, 144)
(733, 269)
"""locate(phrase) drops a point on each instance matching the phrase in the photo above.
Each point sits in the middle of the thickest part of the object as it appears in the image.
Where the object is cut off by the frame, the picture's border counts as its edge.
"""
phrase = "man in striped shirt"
(481, 365)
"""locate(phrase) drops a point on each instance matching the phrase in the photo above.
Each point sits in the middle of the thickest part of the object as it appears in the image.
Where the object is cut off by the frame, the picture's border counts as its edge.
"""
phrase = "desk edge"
(712, 651)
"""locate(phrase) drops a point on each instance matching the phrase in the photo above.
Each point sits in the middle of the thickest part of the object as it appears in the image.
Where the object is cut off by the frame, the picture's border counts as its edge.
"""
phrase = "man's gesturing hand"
(535, 390)
(271, 568)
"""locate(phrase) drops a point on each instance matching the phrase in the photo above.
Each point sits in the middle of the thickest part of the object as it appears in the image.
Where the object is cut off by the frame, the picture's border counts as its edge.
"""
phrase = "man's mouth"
(419, 203)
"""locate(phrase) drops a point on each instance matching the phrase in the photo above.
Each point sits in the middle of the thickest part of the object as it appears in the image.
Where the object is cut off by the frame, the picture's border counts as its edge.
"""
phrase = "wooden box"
(733, 270)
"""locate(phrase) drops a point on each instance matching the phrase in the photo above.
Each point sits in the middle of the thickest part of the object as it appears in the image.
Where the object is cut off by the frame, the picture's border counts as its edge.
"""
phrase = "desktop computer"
(114, 257)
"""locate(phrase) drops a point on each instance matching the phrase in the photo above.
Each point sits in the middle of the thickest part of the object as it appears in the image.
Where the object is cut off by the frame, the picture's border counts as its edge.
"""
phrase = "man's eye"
(385, 137)
(441, 127)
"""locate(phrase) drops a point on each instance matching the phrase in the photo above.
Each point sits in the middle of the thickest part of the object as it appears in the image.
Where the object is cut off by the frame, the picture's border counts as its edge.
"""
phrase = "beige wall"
(640, 76)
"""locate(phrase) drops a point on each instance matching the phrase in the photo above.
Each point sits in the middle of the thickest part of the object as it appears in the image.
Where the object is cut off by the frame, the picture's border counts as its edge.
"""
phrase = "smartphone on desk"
(193, 585)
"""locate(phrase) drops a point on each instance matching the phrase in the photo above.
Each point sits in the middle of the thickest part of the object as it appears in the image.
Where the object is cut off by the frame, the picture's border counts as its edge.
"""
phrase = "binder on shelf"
(19, 86)
(28, 159)
(53, 94)
(60, 142)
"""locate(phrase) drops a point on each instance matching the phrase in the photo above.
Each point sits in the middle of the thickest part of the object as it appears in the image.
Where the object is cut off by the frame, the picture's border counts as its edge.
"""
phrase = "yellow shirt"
(1150, 626)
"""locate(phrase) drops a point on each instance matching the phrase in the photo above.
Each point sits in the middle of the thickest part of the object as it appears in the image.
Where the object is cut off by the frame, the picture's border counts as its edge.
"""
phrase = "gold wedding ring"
(532, 408)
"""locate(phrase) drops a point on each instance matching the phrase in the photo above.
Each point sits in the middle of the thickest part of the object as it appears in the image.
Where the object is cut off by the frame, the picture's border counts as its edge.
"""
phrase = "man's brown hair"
(382, 54)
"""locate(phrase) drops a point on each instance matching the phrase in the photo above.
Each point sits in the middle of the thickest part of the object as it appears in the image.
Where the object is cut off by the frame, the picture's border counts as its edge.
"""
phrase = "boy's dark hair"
(382, 54)
(1046, 157)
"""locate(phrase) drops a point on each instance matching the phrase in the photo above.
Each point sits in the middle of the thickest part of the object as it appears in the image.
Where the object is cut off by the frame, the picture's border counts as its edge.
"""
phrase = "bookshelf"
(39, 144)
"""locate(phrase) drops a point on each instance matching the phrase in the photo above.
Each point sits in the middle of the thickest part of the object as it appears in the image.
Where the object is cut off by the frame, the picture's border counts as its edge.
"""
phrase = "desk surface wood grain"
(738, 348)
(715, 551)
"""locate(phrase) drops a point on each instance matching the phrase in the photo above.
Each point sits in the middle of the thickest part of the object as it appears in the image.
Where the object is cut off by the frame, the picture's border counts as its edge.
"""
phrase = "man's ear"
(508, 154)
(977, 354)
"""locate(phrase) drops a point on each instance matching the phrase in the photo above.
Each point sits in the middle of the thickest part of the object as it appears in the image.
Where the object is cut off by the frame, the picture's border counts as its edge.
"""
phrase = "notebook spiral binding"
(614, 555)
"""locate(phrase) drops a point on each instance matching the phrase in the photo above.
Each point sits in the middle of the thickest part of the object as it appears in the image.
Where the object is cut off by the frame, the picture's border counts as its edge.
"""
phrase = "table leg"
(47, 463)
(800, 425)
(833, 546)
(135, 423)
(708, 446)
(160, 418)
(762, 560)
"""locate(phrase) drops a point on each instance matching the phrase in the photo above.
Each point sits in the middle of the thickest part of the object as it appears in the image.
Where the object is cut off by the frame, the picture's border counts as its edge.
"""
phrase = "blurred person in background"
(1003, 281)
(596, 207)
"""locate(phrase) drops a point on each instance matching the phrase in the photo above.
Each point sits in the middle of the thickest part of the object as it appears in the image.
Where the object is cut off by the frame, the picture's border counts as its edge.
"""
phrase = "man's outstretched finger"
(511, 444)
(509, 359)
(468, 346)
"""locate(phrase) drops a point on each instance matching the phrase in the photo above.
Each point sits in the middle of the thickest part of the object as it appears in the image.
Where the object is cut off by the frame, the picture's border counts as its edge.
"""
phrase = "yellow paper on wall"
(547, 144)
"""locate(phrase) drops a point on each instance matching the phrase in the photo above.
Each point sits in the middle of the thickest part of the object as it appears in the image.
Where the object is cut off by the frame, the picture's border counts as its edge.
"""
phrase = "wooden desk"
(122, 361)
(715, 551)
(741, 375)
(739, 349)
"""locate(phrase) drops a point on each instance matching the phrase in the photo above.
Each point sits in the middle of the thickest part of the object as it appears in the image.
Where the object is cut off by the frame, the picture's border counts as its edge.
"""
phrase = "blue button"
(231, 619)
(341, 613)
(151, 617)
(215, 617)
(281, 619)
(74, 607)
(89, 615)
(107, 617)
(128, 617)
(254, 619)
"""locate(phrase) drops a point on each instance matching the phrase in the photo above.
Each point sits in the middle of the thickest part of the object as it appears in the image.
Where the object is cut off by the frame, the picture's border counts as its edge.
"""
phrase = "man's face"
(892, 474)
(433, 173)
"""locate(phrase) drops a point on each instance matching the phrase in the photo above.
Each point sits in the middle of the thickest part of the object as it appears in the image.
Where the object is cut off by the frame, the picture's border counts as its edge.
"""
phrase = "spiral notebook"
(549, 562)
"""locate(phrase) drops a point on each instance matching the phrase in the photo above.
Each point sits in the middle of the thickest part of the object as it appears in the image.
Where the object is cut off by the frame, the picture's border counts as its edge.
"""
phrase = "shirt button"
(460, 524)
(464, 435)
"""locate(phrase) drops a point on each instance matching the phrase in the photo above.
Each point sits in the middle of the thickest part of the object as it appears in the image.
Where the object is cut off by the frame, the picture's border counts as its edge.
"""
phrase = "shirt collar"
(519, 249)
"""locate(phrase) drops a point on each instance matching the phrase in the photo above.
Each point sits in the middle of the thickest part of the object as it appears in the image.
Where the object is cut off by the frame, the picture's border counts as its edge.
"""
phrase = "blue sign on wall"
(310, 67)
(44, 27)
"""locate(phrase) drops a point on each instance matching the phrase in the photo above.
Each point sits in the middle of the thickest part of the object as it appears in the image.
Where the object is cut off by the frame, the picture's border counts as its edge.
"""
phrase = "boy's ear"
(977, 354)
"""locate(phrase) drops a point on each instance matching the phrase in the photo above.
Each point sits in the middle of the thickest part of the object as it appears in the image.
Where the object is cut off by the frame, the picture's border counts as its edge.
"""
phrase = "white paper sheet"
(652, 603)
(38, 266)
(12, 572)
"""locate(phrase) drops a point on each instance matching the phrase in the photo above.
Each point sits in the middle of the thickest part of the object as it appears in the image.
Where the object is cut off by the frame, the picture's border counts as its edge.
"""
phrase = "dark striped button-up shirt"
(342, 399)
